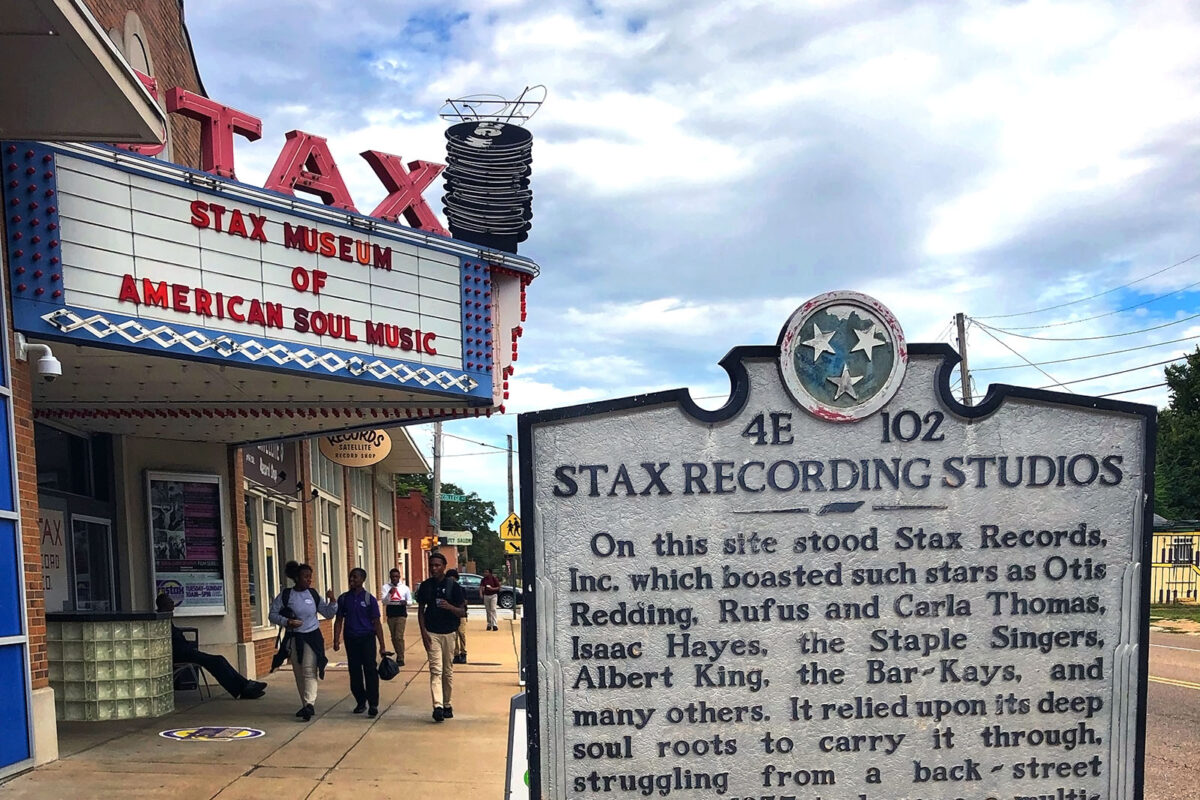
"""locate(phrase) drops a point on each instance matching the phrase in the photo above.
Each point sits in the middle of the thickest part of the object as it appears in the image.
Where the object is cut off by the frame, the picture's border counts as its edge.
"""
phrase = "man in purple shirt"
(358, 613)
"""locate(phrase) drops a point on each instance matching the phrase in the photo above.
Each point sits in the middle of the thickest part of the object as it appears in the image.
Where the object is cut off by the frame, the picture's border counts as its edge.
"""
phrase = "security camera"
(49, 367)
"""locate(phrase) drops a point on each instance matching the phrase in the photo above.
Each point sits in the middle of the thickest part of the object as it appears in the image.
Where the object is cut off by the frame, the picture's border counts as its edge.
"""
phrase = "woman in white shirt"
(295, 610)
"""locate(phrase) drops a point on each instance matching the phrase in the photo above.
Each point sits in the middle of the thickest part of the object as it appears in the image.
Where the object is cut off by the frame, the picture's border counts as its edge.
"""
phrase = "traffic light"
(428, 543)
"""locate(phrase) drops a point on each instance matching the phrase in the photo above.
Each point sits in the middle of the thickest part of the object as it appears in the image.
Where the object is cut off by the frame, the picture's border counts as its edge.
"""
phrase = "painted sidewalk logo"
(842, 356)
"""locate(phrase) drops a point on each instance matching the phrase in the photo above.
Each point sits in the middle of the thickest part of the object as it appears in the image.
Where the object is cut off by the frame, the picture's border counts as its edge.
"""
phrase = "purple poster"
(185, 533)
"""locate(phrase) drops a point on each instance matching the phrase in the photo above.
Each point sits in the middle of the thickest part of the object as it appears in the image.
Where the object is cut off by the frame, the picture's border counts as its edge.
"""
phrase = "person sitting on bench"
(183, 651)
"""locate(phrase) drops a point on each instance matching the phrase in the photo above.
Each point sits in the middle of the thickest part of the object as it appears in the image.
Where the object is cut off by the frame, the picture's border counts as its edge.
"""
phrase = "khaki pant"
(396, 626)
(460, 643)
(305, 671)
(441, 667)
(489, 605)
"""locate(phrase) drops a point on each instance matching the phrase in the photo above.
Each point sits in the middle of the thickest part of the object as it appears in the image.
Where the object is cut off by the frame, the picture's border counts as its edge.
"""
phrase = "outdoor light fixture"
(49, 367)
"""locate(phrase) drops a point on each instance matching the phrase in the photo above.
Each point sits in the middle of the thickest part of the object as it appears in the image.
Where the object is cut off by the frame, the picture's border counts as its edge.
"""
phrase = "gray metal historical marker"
(843, 585)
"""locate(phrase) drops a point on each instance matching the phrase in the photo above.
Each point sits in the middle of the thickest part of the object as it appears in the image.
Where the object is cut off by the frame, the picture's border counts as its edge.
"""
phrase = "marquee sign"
(116, 250)
(843, 584)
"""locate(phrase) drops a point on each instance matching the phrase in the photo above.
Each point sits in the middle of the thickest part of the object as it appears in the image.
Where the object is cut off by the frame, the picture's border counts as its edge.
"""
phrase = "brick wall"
(171, 57)
(31, 540)
(264, 651)
(241, 538)
(412, 523)
(308, 508)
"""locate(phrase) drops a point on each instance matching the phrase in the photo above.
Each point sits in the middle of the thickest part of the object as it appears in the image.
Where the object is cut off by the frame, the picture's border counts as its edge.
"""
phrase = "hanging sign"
(357, 448)
(457, 538)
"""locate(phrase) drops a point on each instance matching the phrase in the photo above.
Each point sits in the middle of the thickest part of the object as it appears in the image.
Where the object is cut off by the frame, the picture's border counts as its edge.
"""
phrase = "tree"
(1177, 472)
(473, 514)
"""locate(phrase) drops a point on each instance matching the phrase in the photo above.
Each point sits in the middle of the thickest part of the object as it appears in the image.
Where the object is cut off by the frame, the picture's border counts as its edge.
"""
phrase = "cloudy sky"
(702, 168)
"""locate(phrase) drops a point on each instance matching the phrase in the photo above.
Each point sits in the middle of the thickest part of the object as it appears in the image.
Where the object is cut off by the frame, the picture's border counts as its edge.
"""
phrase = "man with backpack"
(441, 605)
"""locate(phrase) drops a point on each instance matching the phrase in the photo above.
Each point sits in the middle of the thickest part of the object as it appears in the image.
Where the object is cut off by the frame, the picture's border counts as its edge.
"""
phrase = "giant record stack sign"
(488, 200)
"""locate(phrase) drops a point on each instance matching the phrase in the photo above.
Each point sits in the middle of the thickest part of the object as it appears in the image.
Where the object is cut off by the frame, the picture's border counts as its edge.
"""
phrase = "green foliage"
(473, 514)
(1177, 472)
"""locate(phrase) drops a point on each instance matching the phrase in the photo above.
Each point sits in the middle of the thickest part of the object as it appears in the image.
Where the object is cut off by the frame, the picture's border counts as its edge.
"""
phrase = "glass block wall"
(110, 670)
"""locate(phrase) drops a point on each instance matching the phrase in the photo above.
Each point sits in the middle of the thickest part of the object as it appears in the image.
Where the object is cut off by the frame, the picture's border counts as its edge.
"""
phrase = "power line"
(1120, 372)
(1107, 313)
(1093, 297)
(473, 441)
(1093, 355)
(1083, 338)
(1023, 358)
(1129, 391)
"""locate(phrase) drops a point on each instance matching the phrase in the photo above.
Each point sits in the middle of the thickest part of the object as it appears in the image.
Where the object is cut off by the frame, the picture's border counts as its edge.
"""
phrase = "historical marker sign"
(843, 585)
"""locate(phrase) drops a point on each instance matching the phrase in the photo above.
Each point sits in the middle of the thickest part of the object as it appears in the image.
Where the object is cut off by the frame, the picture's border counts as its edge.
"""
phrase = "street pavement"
(1173, 718)
(341, 755)
(402, 752)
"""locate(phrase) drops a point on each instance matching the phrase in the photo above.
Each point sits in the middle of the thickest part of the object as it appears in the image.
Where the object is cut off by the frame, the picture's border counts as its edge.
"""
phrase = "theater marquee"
(118, 251)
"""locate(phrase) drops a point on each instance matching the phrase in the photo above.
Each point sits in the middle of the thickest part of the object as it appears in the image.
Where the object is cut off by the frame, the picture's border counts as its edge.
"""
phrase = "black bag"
(388, 668)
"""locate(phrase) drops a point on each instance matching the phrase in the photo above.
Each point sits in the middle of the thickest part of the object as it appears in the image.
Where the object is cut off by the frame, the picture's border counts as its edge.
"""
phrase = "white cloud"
(701, 169)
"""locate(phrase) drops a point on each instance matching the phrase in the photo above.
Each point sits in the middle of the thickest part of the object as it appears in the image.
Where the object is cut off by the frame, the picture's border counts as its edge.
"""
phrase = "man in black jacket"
(183, 651)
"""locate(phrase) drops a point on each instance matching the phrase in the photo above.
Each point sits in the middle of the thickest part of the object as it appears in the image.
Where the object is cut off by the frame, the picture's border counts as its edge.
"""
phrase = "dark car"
(470, 582)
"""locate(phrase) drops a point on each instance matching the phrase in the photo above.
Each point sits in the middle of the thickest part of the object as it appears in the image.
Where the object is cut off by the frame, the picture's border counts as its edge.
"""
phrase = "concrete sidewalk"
(336, 755)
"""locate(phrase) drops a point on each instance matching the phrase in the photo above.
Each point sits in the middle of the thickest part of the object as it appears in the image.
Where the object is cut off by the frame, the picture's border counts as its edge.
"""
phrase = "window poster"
(185, 517)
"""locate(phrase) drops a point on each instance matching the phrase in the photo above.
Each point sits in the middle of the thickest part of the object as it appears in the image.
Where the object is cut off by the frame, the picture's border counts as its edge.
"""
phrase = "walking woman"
(358, 615)
(296, 609)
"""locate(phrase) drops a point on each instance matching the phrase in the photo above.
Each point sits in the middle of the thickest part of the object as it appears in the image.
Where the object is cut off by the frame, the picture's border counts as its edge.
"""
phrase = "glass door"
(326, 575)
(91, 555)
(271, 559)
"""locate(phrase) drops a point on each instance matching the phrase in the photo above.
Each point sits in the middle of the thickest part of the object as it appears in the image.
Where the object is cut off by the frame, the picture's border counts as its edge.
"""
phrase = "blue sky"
(701, 169)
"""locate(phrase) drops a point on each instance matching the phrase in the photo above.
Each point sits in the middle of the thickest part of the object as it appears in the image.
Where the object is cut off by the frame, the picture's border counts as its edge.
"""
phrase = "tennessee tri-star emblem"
(842, 356)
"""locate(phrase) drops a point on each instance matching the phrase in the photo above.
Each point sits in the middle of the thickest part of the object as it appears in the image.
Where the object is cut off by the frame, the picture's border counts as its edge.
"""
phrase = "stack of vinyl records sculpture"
(488, 200)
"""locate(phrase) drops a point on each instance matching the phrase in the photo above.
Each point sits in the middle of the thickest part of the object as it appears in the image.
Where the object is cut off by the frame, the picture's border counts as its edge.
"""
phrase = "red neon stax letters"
(305, 163)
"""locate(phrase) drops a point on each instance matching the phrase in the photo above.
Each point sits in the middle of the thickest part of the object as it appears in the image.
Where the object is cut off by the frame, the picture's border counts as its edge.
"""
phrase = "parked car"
(469, 581)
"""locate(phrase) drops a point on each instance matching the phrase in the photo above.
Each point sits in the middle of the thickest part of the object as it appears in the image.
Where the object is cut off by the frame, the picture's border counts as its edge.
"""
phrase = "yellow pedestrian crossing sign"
(510, 529)
(512, 548)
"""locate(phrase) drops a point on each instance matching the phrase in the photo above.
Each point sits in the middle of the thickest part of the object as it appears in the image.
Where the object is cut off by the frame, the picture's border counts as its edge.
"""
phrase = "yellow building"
(1175, 562)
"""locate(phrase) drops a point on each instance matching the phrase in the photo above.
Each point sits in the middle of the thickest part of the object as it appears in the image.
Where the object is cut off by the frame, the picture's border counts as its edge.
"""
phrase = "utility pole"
(960, 320)
(436, 500)
(510, 479)
(512, 573)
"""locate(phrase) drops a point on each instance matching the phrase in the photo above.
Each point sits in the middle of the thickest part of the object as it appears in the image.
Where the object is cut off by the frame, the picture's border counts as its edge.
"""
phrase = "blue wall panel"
(14, 744)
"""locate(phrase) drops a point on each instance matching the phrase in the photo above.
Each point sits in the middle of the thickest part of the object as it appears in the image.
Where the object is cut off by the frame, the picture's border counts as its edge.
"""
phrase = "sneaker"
(438, 714)
(373, 711)
(448, 712)
(400, 663)
(360, 708)
(307, 712)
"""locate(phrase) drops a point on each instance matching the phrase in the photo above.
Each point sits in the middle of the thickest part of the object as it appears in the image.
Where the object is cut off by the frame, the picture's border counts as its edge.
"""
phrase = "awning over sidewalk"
(61, 79)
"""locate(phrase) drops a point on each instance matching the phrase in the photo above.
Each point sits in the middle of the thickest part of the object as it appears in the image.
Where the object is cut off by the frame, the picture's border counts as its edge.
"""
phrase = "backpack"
(287, 596)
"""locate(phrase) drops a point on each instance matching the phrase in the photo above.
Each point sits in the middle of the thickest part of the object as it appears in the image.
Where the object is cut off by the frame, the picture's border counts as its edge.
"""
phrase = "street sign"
(454, 498)
(457, 538)
(512, 548)
(510, 529)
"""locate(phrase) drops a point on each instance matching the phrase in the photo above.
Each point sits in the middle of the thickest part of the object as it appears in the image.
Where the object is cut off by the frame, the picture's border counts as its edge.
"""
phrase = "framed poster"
(186, 514)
